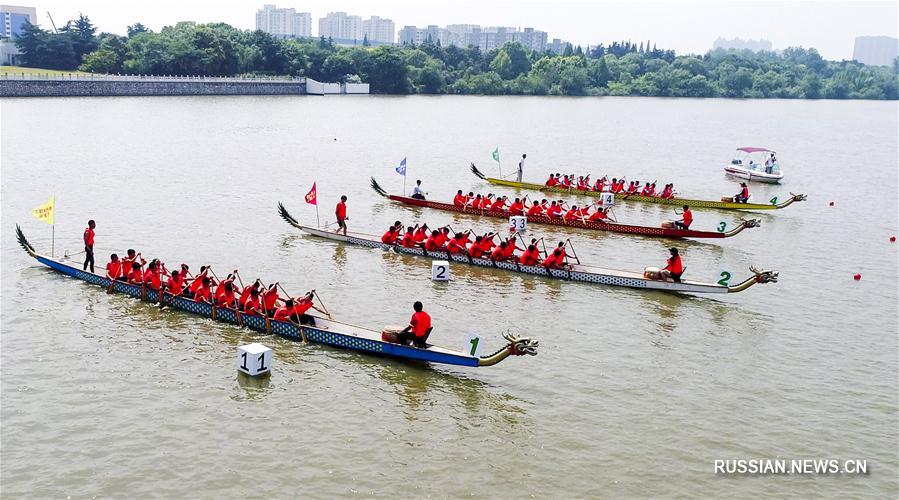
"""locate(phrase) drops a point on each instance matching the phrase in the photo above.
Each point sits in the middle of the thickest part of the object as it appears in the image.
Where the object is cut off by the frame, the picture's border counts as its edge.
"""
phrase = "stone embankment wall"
(147, 87)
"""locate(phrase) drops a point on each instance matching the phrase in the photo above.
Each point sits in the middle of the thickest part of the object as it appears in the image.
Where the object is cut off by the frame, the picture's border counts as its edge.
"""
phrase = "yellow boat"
(679, 202)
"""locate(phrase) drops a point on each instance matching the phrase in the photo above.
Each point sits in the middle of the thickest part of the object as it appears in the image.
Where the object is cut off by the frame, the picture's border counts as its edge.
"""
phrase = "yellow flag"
(45, 212)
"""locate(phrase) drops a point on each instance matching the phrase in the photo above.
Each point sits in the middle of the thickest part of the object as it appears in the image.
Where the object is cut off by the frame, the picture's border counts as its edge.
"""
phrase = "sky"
(686, 27)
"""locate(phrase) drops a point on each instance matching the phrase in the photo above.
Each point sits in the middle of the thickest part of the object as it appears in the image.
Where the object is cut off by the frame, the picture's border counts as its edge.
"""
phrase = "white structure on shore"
(876, 50)
(286, 23)
(13, 19)
(378, 29)
(339, 25)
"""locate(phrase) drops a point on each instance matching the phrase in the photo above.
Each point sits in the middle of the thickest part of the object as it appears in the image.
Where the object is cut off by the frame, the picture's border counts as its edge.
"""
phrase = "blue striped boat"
(326, 331)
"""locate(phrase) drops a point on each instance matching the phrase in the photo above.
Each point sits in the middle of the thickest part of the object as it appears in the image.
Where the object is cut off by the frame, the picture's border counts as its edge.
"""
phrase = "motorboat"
(755, 164)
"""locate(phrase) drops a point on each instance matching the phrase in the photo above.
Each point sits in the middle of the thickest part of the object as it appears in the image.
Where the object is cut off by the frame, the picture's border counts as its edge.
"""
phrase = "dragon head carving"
(519, 346)
(764, 276)
(799, 196)
(751, 223)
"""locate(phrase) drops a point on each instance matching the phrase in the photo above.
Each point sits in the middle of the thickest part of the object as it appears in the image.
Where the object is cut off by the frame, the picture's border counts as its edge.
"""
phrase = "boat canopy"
(754, 150)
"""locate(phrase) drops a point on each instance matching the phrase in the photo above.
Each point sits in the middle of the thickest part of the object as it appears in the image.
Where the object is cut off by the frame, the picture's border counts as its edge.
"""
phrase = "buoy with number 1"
(254, 359)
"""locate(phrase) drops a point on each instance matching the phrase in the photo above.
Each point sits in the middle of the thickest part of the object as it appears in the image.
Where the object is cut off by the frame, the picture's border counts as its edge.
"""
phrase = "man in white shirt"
(417, 193)
(521, 167)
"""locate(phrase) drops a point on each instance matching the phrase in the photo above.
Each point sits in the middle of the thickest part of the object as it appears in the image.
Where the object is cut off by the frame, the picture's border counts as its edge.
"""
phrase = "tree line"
(620, 68)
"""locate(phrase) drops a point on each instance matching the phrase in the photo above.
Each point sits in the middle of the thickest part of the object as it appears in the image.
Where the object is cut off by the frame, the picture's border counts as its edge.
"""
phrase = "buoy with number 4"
(254, 359)
(857, 276)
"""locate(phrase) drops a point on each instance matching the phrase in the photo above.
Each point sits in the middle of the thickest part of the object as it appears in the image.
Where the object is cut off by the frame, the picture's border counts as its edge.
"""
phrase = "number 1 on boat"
(472, 345)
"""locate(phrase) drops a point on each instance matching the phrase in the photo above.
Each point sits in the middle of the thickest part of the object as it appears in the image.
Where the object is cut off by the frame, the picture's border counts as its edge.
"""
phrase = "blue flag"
(402, 168)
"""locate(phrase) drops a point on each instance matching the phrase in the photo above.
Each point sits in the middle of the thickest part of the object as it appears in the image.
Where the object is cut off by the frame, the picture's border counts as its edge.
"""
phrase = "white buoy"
(254, 359)
(607, 199)
(518, 223)
(440, 270)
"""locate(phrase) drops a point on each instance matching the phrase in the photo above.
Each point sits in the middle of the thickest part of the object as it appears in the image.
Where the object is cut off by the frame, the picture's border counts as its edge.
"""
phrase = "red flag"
(311, 196)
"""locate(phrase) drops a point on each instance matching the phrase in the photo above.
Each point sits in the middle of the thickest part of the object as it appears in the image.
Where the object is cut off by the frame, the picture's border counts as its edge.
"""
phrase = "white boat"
(755, 164)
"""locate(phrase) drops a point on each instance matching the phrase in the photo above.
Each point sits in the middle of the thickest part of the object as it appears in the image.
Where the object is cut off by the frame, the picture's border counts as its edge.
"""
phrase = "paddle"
(568, 241)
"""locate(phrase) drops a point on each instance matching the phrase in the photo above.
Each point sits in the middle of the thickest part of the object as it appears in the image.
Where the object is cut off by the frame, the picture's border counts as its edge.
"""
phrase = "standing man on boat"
(89, 245)
(340, 212)
(521, 167)
(419, 327)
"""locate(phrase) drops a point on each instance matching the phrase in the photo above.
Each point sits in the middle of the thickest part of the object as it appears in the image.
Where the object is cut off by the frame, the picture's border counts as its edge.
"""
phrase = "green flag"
(496, 154)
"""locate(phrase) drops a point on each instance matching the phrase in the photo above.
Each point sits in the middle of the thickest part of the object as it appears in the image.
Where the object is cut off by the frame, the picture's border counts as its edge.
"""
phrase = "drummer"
(419, 327)
(675, 267)
(743, 195)
(686, 218)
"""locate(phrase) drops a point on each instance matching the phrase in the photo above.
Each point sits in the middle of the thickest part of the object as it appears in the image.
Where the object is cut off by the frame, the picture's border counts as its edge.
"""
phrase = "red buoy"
(857, 276)
(892, 239)
(831, 203)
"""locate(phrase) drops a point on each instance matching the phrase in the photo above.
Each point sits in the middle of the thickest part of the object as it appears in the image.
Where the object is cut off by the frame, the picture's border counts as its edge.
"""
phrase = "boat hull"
(335, 334)
(656, 232)
(587, 274)
(677, 202)
(752, 175)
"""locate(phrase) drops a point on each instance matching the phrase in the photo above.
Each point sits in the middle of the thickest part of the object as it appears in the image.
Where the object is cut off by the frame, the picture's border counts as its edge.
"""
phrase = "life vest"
(459, 200)
(270, 298)
(529, 258)
(674, 265)
(688, 217)
(498, 205)
(536, 209)
(114, 269)
(340, 211)
(517, 208)
(421, 323)
(571, 214)
(475, 251)
(389, 237)
(408, 240)
(302, 306)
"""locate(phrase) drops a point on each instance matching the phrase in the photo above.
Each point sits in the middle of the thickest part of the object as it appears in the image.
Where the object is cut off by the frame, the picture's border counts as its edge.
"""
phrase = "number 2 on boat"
(472, 345)
(725, 278)
(773, 200)
(722, 226)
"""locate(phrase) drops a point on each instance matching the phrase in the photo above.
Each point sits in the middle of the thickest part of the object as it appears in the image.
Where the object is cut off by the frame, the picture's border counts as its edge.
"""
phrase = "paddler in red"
(551, 181)
(198, 280)
(419, 327)
(536, 209)
(225, 296)
(247, 290)
(487, 243)
(599, 214)
(135, 276)
(431, 244)
(253, 305)
(499, 253)
(421, 234)
(555, 260)
(517, 207)
(554, 210)
(459, 200)
(114, 267)
(442, 236)
(674, 268)
(303, 304)
(499, 204)
(203, 293)
(530, 257)
(572, 214)
(175, 283)
(457, 244)
(340, 212)
(127, 261)
(686, 220)
(511, 247)
(476, 202)
(390, 236)
(270, 299)
(475, 250)
(486, 201)
(408, 240)
(152, 275)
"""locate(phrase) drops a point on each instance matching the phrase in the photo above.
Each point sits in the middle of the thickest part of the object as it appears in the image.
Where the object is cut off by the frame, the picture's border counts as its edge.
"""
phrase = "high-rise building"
(339, 25)
(13, 19)
(284, 22)
(531, 38)
(740, 44)
(378, 29)
(876, 50)
(463, 35)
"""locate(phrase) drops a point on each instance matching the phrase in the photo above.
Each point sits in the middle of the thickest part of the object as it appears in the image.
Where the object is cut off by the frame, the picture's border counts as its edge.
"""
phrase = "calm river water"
(633, 394)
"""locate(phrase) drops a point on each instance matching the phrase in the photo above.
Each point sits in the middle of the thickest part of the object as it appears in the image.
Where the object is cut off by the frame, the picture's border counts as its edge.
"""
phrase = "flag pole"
(404, 182)
(317, 220)
(53, 239)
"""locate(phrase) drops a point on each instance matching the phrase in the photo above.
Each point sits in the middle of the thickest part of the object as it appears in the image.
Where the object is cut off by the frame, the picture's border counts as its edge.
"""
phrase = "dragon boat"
(573, 272)
(614, 227)
(677, 202)
(326, 331)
